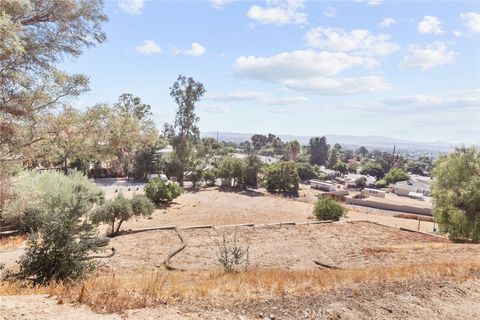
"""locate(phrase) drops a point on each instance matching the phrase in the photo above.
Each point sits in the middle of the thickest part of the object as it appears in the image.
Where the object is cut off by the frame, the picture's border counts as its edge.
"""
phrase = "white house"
(404, 188)
(321, 185)
(351, 178)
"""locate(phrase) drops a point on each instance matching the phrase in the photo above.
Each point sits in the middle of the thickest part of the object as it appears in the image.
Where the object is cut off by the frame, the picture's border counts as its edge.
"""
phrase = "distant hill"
(378, 142)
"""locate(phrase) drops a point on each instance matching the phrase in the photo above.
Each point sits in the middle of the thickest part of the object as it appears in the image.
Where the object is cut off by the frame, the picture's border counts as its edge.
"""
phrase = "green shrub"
(381, 183)
(396, 175)
(306, 171)
(159, 191)
(232, 168)
(327, 208)
(63, 237)
(282, 176)
(117, 211)
(210, 175)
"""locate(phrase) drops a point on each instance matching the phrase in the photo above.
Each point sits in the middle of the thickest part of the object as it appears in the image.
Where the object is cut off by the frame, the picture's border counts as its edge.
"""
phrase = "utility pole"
(217, 136)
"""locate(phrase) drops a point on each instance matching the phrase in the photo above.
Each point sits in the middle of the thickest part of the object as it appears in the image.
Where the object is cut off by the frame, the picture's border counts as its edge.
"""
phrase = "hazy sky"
(404, 69)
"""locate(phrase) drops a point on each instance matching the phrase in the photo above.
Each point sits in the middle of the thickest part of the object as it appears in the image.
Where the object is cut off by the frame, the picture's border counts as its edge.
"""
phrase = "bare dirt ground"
(220, 206)
(344, 244)
(348, 245)
(425, 300)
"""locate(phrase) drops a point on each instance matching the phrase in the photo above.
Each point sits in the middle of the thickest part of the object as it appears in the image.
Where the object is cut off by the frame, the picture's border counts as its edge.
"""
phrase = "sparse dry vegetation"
(114, 293)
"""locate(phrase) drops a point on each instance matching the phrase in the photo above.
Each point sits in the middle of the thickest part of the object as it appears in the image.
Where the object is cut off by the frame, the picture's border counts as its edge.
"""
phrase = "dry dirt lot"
(376, 280)
(220, 206)
(344, 244)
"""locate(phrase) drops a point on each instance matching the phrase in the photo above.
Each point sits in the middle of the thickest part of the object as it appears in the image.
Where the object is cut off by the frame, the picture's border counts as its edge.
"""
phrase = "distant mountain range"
(378, 142)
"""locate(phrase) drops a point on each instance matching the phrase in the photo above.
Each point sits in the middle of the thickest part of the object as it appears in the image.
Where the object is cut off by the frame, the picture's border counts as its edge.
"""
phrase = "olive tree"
(120, 209)
(56, 212)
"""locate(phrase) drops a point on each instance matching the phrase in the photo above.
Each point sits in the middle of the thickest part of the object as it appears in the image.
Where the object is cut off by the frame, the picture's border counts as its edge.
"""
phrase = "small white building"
(374, 192)
(404, 188)
(322, 185)
(351, 179)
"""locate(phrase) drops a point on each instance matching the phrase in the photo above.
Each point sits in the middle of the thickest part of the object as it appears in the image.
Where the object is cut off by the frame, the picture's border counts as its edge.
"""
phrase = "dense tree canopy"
(456, 193)
(35, 36)
(318, 150)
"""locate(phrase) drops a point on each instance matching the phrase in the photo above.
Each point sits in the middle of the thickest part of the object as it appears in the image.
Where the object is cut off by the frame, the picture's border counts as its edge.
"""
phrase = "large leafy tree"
(456, 193)
(35, 36)
(282, 177)
(373, 169)
(318, 150)
(187, 93)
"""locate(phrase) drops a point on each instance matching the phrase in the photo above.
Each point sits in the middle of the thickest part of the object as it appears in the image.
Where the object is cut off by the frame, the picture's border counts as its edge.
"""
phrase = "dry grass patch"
(113, 293)
(12, 242)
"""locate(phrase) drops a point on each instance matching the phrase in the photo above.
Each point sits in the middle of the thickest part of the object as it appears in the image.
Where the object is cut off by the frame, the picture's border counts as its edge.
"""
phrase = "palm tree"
(294, 149)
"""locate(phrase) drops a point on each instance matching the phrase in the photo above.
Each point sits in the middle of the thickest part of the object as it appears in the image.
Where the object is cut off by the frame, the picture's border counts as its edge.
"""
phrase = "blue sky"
(404, 69)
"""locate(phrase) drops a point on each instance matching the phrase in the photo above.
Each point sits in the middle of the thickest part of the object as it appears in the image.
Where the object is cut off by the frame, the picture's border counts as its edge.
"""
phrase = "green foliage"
(231, 253)
(159, 191)
(381, 183)
(373, 169)
(63, 238)
(333, 158)
(456, 193)
(318, 148)
(253, 166)
(306, 171)
(282, 177)
(327, 208)
(210, 175)
(35, 37)
(396, 175)
(361, 182)
(232, 168)
(340, 167)
(187, 93)
(37, 196)
(120, 209)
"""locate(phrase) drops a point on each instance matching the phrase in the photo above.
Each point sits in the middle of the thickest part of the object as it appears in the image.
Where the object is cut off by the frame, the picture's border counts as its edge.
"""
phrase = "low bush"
(231, 253)
(327, 208)
(58, 206)
(117, 211)
(160, 191)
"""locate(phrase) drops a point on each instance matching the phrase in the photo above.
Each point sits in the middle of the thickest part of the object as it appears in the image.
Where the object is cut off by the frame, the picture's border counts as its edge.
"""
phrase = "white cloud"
(457, 33)
(216, 109)
(430, 25)
(387, 22)
(342, 86)
(429, 56)
(219, 4)
(359, 41)
(134, 7)
(330, 12)
(371, 2)
(297, 64)
(279, 12)
(462, 99)
(307, 70)
(148, 47)
(196, 50)
(263, 98)
(471, 21)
